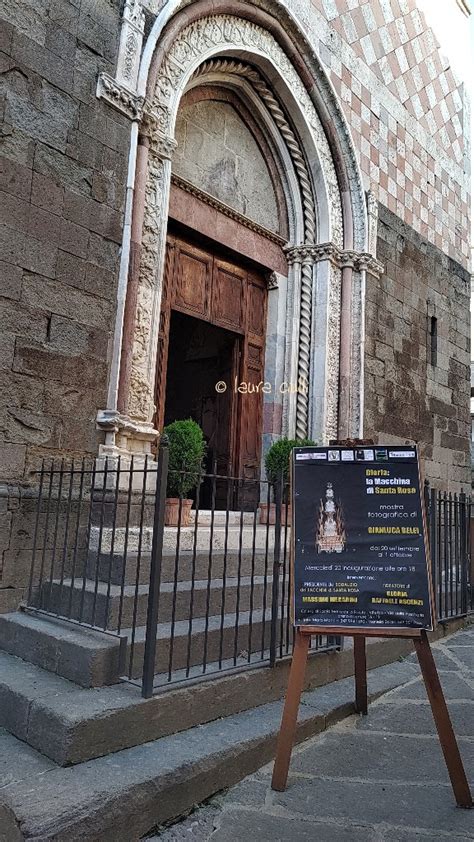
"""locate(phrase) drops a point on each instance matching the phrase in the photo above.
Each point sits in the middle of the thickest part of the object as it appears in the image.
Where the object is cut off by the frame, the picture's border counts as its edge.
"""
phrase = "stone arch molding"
(328, 244)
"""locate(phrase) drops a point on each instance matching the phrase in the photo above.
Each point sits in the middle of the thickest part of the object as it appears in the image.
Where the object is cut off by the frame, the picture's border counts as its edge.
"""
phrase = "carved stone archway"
(320, 262)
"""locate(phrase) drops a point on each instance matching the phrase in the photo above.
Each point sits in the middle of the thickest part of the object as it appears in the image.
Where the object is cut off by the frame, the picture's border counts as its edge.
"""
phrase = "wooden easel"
(434, 690)
(428, 669)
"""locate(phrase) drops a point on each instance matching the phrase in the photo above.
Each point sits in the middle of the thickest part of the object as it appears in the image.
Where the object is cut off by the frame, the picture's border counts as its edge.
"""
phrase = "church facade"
(252, 214)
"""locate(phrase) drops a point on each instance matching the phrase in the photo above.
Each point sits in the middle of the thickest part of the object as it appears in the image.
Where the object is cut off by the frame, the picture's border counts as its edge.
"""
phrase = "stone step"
(202, 641)
(94, 658)
(71, 724)
(122, 796)
(118, 568)
(221, 518)
(233, 537)
(88, 657)
(101, 605)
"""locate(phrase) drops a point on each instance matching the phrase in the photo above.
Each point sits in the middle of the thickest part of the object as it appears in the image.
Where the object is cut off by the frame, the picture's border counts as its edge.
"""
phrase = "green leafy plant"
(187, 447)
(277, 461)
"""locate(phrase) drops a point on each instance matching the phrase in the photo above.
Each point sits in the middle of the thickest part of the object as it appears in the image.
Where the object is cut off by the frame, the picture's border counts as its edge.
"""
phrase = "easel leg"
(442, 720)
(360, 673)
(289, 719)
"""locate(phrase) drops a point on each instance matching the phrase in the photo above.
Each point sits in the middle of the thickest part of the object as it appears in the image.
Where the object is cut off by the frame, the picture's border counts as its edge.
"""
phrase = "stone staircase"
(216, 584)
(215, 592)
(135, 762)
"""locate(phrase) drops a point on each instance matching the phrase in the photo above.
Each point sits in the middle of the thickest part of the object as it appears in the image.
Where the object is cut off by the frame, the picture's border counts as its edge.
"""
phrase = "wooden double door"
(211, 352)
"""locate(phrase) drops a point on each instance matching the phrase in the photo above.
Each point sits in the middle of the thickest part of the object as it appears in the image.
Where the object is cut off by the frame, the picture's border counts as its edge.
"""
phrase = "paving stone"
(243, 825)
(198, 827)
(454, 688)
(464, 654)
(248, 793)
(360, 754)
(416, 718)
(462, 638)
(429, 806)
(394, 834)
(443, 661)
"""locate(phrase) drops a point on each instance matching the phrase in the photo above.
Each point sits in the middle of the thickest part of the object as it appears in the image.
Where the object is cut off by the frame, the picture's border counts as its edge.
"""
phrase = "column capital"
(160, 145)
(340, 258)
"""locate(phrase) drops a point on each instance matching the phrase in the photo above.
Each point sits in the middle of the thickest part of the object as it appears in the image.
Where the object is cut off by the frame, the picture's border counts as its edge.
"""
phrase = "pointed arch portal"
(314, 331)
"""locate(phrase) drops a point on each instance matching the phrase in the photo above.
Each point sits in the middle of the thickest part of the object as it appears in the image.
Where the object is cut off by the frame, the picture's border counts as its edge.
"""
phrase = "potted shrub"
(187, 447)
(277, 466)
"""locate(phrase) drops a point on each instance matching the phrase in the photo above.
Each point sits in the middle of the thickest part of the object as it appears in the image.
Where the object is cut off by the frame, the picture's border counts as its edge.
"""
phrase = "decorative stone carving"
(332, 353)
(340, 258)
(372, 222)
(119, 97)
(357, 358)
(199, 42)
(141, 398)
(221, 32)
(272, 280)
(130, 47)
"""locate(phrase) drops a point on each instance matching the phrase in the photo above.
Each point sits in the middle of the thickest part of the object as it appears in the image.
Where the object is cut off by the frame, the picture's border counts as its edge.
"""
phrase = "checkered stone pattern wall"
(408, 114)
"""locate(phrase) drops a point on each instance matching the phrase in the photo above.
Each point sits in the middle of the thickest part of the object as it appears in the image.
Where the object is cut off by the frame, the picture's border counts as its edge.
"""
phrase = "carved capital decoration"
(160, 145)
(119, 97)
(114, 421)
(120, 92)
(337, 257)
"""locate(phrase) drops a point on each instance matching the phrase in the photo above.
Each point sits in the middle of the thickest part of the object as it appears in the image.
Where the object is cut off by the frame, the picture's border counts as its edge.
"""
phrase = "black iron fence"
(203, 596)
(449, 534)
(206, 595)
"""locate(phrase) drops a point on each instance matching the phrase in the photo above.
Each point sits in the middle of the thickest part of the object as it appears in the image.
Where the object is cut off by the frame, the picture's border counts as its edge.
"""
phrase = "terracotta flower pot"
(172, 507)
(268, 514)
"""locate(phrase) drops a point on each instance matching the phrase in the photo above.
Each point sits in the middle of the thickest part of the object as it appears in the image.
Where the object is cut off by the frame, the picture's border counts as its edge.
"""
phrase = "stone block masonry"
(63, 164)
(63, 159)
(412, 393)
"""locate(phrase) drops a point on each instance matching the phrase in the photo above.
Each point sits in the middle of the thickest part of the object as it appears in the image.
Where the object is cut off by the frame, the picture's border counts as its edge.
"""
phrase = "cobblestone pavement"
(379, 778)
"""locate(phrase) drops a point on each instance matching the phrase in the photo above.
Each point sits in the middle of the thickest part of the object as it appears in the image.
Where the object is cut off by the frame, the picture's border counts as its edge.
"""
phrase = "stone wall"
(407, 398)
(408, 113)
(63, 164)
(62, 181)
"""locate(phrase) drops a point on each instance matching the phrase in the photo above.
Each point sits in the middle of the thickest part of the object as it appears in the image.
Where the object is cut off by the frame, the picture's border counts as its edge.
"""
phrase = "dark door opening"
(200, 356)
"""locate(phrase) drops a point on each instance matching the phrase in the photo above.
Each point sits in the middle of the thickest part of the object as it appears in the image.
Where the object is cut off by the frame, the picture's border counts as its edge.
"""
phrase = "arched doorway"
(315, 309)
(227, 224)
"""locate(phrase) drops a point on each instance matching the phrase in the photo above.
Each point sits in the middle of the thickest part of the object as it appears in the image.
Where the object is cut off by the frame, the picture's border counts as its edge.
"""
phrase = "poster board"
(359, 542)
